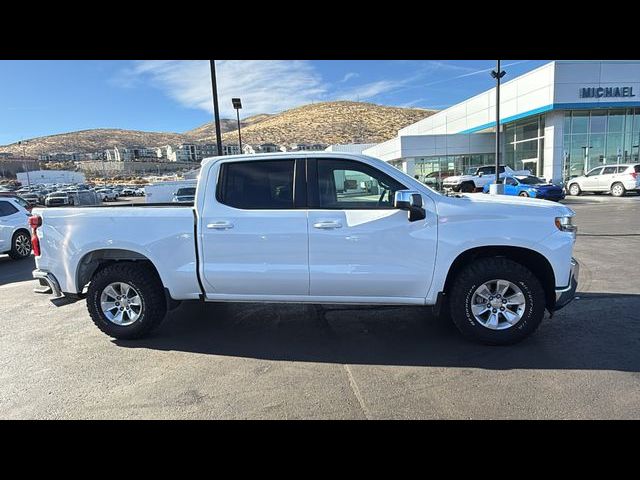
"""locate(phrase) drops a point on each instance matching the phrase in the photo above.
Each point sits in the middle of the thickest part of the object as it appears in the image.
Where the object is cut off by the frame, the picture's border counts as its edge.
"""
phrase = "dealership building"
(557, 121)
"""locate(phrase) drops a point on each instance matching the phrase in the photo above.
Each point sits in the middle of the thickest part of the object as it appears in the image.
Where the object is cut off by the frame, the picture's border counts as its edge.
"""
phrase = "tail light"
(35, 221)
(634, 175)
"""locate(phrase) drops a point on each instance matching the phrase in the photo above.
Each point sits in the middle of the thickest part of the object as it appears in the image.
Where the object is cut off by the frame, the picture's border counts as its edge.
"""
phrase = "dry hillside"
(327, 122)
(331, 122)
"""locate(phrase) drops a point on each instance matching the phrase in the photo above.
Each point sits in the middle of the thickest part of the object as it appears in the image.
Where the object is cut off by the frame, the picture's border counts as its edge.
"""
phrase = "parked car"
(21, 201)
(128, 192)
(139, 192)
(32, 198)
(477, 178)
(14, 229)
(184, 195)
(107, 195)
(435, 179)
(58, 199)
(262, 231)
(616, 179)
(530, 186)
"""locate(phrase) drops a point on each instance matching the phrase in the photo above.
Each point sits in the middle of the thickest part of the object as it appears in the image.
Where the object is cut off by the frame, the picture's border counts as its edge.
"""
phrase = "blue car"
(530, 186)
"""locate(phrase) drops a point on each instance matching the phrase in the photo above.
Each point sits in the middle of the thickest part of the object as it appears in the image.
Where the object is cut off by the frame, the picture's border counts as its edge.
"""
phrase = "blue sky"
(47, 97)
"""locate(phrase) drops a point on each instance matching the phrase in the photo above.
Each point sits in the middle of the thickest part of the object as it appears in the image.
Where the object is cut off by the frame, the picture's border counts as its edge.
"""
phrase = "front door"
(591, 180)
(360, 246)
(254, 230)
(8, 215)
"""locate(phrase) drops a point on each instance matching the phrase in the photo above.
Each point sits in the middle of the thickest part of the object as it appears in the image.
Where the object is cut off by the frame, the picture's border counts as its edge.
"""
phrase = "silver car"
(617, 179)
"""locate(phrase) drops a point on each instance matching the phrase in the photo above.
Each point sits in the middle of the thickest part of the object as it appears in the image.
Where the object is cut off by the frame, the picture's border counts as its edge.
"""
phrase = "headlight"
(565, 224)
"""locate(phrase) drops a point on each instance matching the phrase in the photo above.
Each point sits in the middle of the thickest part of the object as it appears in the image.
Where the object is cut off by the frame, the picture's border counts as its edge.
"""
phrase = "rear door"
(360, 246)
(606, 177)
(253, 229)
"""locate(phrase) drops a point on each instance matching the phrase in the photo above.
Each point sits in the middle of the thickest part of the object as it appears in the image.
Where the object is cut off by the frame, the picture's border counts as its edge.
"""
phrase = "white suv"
(617, 179)
(15, 238)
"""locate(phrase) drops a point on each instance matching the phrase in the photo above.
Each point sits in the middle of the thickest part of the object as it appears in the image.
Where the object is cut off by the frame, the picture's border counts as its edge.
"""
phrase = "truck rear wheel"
(496, 301)
(126, 300)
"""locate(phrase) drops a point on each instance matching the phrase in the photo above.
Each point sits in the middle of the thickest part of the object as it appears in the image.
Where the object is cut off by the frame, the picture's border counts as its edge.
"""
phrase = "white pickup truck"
(314, 228)
(477, 178)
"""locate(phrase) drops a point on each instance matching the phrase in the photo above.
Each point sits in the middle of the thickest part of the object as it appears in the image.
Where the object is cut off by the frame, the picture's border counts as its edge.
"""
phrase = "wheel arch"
(95, 260)
(537, 263)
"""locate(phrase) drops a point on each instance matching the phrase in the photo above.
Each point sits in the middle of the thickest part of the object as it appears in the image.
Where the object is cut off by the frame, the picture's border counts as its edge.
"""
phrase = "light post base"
(496, 189)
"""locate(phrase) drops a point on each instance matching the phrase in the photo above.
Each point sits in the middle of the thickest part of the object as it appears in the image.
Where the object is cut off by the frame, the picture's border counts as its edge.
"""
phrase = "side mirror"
(411, 201)
(480, 174)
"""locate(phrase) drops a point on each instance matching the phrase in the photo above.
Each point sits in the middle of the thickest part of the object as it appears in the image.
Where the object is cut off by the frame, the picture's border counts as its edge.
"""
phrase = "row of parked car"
(617, 180)
(68, 194)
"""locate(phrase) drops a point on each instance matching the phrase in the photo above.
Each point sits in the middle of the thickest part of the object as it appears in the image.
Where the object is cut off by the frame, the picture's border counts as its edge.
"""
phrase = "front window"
(347, 184)
(531, 180)
(186, 192)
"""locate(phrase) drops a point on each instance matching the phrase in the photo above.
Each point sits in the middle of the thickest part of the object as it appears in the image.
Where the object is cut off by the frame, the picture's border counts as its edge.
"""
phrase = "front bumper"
(566, 294)
(48, 283)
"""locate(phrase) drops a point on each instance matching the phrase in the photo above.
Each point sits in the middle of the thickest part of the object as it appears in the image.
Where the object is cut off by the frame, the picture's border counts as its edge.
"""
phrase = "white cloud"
(369, 90)
(349, 76)
(265, 86)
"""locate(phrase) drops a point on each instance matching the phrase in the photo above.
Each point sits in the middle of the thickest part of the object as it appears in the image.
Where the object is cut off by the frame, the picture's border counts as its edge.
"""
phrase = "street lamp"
(216, 113)
(237, 104)
(497, 187)
(20, 142)
(586, 157)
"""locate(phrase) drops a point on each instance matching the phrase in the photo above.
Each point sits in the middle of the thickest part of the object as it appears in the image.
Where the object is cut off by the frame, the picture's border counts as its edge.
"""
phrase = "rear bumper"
(48, 282)
(566, 294)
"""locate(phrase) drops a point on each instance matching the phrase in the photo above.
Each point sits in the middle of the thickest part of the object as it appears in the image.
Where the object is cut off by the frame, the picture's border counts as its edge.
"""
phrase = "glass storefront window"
(598, 122)
(616, 121)
(579, 123)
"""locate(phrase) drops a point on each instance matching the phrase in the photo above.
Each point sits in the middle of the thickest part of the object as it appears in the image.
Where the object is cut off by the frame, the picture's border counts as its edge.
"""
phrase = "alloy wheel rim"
(121, 303)
(23, 245)
(498, 304)
(574, 189)
(617, 190)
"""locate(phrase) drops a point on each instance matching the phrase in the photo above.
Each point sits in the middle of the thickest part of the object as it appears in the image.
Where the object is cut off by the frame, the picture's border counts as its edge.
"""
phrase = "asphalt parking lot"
(288, 361)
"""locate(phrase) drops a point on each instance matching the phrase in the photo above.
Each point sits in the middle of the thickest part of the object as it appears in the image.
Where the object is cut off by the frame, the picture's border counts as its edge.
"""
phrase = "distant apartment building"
(263, 148)
(68, 156)
(131, 154)
(189, 152)
(349, 147)
(230, 149)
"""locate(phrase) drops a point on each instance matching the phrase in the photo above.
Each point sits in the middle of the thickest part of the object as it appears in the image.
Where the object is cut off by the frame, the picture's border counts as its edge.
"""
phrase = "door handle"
(220, 225)
(327, 225)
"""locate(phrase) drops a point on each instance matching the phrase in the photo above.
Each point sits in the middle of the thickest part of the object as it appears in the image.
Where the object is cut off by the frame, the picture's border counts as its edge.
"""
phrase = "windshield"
(58, 195)
(186, 191)
(531, 180)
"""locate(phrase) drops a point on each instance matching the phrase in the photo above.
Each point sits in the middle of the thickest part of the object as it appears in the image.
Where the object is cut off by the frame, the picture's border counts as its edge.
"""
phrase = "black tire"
(618, 190)
(20, 238)
(467, 187)
(149, 287)
(576, 189)
(485, 270)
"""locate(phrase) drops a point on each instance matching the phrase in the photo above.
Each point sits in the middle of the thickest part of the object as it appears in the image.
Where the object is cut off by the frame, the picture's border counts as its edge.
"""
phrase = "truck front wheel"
(126, 300)
(467, 187)
(496, 301)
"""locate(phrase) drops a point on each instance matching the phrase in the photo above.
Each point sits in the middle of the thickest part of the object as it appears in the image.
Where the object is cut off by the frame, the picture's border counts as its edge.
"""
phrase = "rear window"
(6, 208)
(637, 168)
(186, 191)
(257, 184)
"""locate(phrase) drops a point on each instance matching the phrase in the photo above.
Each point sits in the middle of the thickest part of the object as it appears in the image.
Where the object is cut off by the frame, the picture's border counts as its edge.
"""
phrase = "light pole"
(586, 157)
(237, 104)
(216, 112)
(497, 188)
(23, 162)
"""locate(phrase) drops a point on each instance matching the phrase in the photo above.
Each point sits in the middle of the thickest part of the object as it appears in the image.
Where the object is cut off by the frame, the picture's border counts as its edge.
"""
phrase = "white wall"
(432, 145)
(51, 176)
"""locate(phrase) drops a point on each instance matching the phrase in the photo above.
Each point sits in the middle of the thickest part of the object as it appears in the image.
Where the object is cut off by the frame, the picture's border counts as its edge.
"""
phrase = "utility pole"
(497, 74)
(216, 112)
(23, 162)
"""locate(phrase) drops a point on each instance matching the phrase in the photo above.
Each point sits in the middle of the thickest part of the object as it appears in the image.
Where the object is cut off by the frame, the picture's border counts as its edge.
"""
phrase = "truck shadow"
(596, 332)
(12, 271)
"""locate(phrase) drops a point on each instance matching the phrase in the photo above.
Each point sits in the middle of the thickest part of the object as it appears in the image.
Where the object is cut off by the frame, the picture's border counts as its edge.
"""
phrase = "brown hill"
(327, 122)
(207, 132)
(330, 122)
